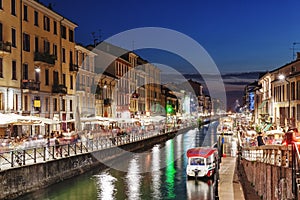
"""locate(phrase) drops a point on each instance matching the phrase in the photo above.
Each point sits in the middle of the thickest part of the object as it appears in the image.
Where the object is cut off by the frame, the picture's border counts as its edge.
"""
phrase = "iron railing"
(20, 155)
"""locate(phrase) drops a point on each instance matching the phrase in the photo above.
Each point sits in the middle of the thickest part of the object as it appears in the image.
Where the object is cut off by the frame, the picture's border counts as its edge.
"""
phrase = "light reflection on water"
(155, 172)
(133, 179)
(165, 177)
(105, 186)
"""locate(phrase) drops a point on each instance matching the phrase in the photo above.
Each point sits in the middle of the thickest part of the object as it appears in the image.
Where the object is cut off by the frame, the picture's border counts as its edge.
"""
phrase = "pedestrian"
(260, 141)
(57, 147)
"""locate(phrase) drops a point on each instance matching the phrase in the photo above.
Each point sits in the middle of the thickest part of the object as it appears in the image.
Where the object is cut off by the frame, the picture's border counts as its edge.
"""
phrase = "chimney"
(50, 6)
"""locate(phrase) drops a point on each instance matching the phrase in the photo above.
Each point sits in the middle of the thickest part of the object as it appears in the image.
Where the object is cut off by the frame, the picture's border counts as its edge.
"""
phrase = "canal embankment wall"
(270, 182)
(18, 181)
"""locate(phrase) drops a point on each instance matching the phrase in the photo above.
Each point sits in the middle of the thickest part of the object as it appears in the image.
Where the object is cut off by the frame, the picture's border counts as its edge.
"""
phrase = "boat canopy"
(204, 152)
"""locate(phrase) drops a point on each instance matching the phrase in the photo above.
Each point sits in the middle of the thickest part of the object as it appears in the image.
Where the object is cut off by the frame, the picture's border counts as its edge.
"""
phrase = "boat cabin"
(202, 162)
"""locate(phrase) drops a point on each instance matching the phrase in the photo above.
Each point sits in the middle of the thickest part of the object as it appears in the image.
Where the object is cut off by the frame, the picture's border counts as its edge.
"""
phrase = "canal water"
(157, 173)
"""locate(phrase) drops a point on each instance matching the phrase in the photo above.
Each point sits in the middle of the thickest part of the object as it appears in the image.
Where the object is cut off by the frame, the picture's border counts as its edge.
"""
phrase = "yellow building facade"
(39, 73)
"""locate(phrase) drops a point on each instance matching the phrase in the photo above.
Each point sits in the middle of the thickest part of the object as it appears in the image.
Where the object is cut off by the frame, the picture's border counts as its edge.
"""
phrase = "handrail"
(25, 156)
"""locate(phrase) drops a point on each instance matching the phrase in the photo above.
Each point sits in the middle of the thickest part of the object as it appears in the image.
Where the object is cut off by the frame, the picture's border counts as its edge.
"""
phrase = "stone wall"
(21, 180)
(269, 181)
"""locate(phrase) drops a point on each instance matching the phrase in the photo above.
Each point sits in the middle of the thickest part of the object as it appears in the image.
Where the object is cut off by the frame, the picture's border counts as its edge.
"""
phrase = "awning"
(262, 104)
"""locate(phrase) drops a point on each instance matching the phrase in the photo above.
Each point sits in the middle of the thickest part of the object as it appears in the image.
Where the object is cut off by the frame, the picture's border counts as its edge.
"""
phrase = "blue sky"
(240, 35)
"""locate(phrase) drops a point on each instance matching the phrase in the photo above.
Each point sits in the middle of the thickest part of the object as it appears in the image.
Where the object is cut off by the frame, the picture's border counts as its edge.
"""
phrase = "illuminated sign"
(37, 103)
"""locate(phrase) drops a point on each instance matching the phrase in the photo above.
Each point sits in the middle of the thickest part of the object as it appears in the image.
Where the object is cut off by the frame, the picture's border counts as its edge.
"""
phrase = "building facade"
(39, 66)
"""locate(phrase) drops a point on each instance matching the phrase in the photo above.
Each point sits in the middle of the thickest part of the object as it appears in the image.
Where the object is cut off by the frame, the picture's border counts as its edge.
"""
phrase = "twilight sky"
(239, 35)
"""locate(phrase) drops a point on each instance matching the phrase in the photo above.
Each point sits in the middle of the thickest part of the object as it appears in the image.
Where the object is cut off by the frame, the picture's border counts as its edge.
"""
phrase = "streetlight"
(282, 77)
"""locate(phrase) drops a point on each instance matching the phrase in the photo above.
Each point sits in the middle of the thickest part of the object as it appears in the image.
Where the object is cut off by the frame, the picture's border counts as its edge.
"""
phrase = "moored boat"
(202, 162)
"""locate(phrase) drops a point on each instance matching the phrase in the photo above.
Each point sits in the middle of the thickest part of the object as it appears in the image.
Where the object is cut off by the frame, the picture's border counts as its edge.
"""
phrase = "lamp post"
(294, 187)
(282, 77)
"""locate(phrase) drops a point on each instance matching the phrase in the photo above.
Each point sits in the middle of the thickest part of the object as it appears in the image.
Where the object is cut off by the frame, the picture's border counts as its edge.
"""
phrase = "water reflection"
(105, 186)
(155, 172)
(133, 179)
(170, 169)
(200, 189)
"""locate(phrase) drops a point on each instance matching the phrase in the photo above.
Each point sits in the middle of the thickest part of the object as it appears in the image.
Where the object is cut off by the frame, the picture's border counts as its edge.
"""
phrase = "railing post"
(34, 155)
(12, 158)
(68, 149)
(23, 157)
(44, 156)
(53, 152)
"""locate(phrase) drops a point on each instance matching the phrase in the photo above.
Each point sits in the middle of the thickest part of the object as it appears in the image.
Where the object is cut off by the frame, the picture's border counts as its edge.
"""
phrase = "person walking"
(260, 140)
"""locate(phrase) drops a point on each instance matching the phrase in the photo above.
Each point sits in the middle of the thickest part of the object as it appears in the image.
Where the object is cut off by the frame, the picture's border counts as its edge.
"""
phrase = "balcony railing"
(59, 89)
(73, 67)
(31, 85)
(5, 47)
(45, 57)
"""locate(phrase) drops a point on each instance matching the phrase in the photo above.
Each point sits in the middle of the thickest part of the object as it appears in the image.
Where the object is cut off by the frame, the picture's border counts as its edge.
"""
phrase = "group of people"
(292, 135)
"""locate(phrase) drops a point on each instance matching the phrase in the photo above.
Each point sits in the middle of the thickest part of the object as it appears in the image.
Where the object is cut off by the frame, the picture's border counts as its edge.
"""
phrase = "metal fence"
(20, 156)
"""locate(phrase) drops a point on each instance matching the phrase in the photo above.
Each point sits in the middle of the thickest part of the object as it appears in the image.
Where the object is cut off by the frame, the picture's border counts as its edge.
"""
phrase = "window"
(1, 32)
(71, 35)
(13, 7)
(71, 57)
(63, 105)
(55, 78)
(26, 42)
(26, 103)
(55, 50)
(25, 71)
(298, 90)
(37, 76)
(293, 91)
(64, 55)
(46, 23)
(46, 47)
(71, 82)
(55, 27)
(14, 70)
(47, 104)
(298, 112)
(25, 13)
(46, 76)
(63, 32)
(71, 105)
(36, 18)
(64, 79)
(36, 44)
(1, 67)
(13, 37)
(55, 104)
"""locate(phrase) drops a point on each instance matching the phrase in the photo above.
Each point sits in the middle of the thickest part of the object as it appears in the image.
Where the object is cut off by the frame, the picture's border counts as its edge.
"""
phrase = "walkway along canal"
(27, 170)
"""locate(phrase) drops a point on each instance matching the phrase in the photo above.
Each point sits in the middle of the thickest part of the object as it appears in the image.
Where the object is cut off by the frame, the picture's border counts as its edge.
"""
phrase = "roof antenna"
(94, 39)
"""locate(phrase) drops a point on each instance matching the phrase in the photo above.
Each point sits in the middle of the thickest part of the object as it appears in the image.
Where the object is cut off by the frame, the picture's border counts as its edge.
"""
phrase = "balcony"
(5, 47)
(73, 67)
(31, 85)
(44, 58)
(59, 89)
